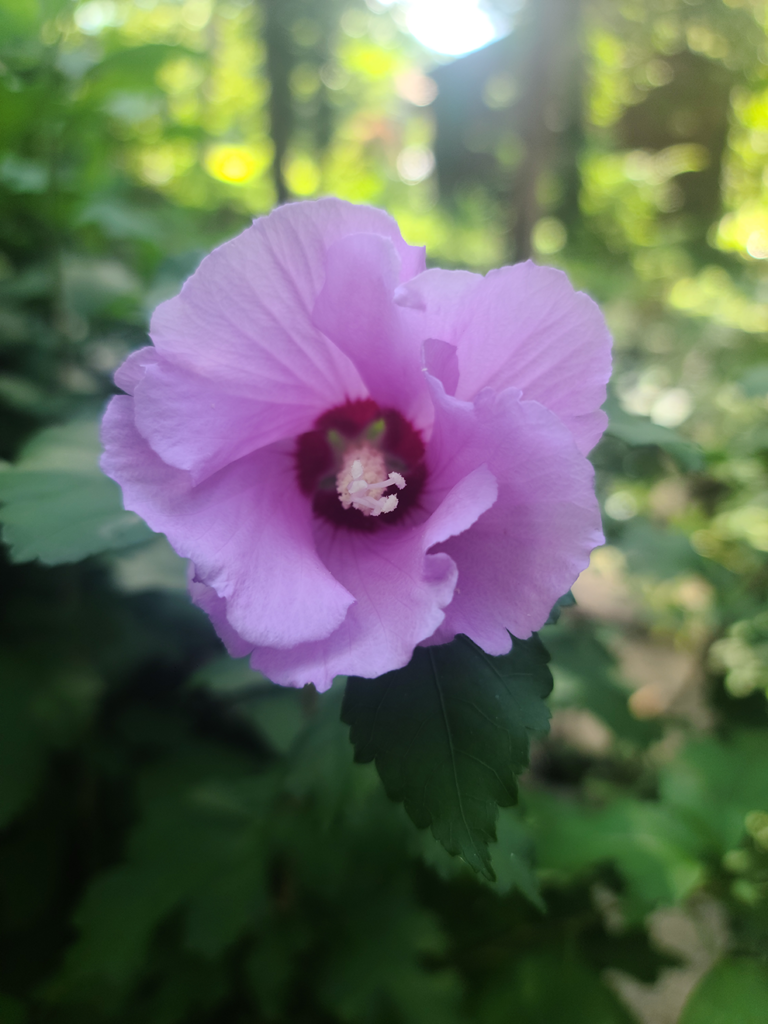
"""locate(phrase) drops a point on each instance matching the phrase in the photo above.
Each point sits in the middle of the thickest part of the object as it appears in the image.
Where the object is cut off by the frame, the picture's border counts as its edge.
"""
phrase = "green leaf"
(198, 850)
(57, 504)
(511, 858)
(450, 733)
(639, 431)
(152, 566)
(654, 852)
(734, 990)
(566, 601)
(713, 785)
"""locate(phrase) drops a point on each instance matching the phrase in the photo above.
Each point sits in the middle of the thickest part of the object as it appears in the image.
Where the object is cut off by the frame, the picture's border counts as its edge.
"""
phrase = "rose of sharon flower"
(359, 455)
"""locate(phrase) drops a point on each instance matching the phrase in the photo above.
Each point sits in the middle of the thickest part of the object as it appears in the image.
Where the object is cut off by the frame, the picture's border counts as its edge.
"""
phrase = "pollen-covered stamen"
(362, 480)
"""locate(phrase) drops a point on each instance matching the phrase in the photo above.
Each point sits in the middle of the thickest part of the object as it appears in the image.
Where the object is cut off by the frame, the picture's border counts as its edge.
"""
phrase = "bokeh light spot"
(235, 165)
(415, 163)
(549, 236)
(452, 27)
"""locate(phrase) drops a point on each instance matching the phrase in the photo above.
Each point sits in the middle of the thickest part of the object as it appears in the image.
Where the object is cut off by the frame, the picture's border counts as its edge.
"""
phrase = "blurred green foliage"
(182, 842)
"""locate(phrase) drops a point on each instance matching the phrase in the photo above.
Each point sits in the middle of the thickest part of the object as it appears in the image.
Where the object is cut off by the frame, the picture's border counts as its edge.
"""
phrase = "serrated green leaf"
(511, 858)
(57, 504)
(449, 734)
(734, 990)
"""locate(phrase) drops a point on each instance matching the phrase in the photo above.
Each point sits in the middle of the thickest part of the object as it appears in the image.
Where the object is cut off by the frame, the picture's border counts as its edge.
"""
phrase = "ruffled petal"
(441, 297)
(527, 550)
(357, 311)
(248, 530)
(202, 425)
(441, 360)
(131, 373)
(400, 591)
(215, 608)
(523, 327)
(242, 323)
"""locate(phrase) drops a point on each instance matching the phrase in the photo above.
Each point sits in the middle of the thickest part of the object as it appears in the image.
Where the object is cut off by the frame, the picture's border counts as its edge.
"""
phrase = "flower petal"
(441, 360)
(242, 323)
(357, 311)
(523, 327)
(247, 529)
(400, 591)
(215, 608)
(202, 425)
(131, 373)
(527, 550)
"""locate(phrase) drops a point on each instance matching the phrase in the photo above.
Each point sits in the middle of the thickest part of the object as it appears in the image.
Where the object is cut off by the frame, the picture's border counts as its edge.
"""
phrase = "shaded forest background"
(180, 842)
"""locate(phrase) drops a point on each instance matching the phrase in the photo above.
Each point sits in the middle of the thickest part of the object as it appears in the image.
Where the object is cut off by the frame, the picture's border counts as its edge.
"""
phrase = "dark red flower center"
(385, 437)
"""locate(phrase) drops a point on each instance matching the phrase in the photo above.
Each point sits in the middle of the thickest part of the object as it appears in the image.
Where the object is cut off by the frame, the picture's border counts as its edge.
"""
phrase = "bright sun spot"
(452, 27)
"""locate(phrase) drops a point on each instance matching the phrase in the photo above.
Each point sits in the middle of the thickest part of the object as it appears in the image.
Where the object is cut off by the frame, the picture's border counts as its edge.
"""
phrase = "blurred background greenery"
(181, 842)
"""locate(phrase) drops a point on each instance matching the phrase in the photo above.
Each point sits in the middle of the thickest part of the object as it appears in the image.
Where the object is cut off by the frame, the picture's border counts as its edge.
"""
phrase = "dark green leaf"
(511, 858)
(450, 734)
(566, 601)
(57, 504)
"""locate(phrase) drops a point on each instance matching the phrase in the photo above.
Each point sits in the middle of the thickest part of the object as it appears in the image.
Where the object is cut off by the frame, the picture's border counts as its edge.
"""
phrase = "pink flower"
(359, 455)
